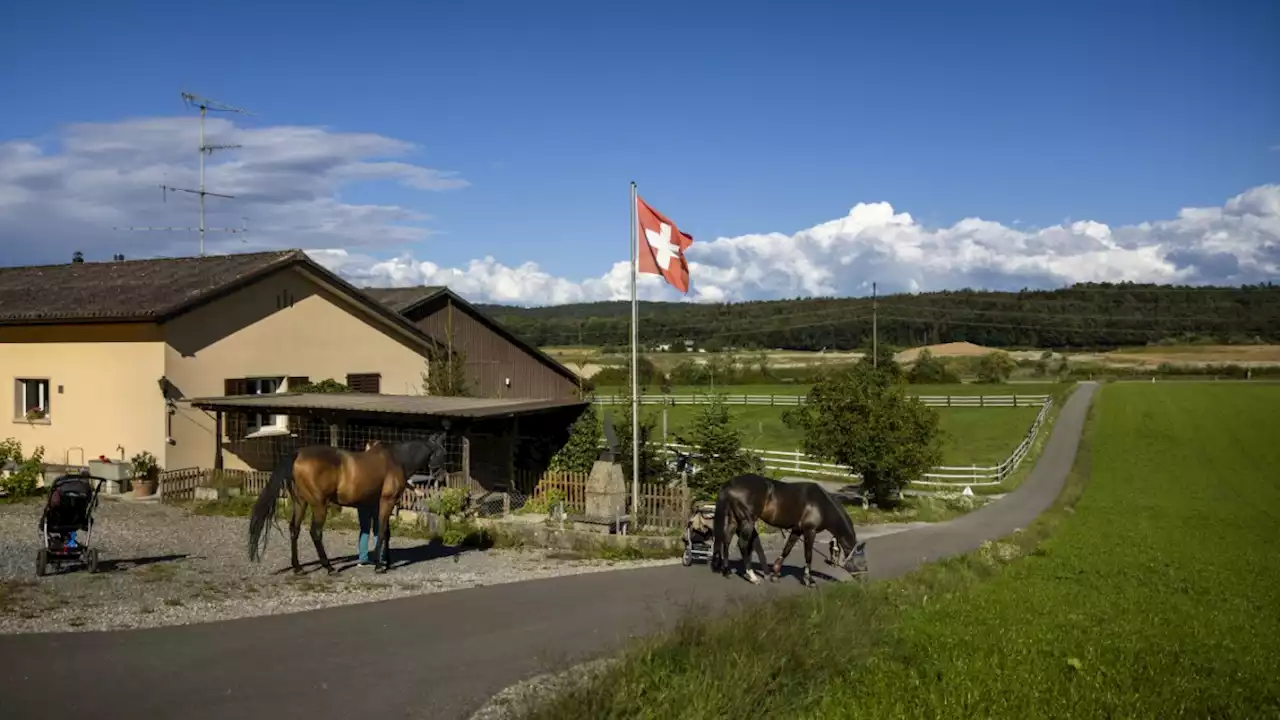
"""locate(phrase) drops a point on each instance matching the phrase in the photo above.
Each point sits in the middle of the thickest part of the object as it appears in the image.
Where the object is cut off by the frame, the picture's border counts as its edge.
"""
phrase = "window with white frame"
(264, 421)
(31, 399)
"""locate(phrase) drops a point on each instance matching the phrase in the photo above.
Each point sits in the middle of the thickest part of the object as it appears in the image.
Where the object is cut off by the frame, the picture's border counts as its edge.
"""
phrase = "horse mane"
(846, 522)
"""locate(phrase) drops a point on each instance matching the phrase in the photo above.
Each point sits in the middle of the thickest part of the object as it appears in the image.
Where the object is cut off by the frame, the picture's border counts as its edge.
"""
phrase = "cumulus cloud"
(69, 193)
(65, 195)
(1237, 242)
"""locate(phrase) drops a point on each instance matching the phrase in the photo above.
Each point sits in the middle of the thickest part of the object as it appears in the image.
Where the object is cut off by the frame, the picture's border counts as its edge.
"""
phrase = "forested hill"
(1082, 316)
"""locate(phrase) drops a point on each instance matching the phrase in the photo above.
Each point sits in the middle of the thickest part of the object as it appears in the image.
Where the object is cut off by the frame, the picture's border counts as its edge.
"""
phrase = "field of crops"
(1152, 597)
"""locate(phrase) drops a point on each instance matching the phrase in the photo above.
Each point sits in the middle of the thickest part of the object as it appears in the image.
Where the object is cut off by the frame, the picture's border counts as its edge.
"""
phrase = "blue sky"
(736, 119)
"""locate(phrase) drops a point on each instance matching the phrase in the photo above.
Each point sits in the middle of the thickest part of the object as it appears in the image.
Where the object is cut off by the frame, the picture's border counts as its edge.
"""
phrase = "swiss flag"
(662, 247)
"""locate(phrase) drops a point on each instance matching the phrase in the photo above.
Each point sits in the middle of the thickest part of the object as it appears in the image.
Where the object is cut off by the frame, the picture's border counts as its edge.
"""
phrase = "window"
(365, 382)
(240, 425)
(31, 399)
(264, 386)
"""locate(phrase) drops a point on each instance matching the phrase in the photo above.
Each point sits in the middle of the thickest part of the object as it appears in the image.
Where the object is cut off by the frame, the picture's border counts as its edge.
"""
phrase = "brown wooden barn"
(498, 363)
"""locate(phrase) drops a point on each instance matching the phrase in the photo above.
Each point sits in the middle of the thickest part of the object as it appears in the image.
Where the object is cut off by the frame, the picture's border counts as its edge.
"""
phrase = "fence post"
(982, 401)
(797, 460)
(948, 401)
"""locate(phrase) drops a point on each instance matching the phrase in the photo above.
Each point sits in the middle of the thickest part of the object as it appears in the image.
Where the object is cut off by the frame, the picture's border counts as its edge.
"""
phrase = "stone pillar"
(606, 491)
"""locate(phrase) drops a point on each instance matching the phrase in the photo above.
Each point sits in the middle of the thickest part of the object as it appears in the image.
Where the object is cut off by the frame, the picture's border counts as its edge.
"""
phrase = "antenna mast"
(205, 148)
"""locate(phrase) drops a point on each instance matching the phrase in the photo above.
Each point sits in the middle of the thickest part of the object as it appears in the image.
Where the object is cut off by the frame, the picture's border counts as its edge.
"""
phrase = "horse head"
(846, 550)
(850, 555)
(423, 454)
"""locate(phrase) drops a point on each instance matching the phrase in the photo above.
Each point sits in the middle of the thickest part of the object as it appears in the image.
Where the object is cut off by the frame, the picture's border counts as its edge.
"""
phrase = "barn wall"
(491, 359)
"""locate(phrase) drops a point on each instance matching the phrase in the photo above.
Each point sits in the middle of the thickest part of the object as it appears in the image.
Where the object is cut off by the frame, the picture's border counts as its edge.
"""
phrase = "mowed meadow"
(972, 436)
(1150, 590)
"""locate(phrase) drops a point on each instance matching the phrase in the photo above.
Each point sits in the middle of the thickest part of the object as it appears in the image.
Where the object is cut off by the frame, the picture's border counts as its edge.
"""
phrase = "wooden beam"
(217, 440)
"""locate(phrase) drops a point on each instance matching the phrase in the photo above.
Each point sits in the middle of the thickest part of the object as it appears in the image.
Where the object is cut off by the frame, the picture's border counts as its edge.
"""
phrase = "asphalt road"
(440, 655)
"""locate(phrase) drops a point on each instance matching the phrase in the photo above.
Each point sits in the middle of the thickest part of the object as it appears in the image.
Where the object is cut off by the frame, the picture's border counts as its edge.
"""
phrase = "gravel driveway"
(162, 565)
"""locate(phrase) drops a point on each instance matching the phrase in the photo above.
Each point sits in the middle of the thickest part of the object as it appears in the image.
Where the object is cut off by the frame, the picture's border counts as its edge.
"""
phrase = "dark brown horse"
(804, 508)
(318, 475)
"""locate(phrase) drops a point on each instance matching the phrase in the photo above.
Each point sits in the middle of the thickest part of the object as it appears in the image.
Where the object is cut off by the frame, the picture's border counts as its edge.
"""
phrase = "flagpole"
(635, 392)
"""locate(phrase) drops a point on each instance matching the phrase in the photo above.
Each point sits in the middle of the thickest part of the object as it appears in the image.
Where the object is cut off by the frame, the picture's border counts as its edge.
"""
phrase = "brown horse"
(318, 475)
(804, 508)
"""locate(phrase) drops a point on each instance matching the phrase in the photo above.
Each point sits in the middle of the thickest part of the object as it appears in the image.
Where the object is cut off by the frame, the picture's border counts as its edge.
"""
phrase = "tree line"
(1083, 316)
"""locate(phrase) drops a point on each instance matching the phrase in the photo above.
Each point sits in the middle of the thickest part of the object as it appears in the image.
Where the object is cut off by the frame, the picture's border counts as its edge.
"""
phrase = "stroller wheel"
(93, 560)
(687, 558)
(42, 562)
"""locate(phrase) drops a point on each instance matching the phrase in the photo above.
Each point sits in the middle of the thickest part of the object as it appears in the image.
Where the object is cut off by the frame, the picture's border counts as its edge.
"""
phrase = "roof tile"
(126, 290)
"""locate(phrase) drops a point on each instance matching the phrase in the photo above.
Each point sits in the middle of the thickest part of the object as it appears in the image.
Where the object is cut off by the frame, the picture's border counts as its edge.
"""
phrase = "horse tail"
(264, 509)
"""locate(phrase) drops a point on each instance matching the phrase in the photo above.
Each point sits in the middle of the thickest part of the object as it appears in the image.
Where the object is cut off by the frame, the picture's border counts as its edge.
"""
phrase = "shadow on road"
(107, 565)
(401, 556)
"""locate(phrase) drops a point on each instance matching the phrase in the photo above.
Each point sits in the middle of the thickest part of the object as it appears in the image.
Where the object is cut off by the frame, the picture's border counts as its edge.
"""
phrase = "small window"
(31, 399)
(264, 386)
(365, 382)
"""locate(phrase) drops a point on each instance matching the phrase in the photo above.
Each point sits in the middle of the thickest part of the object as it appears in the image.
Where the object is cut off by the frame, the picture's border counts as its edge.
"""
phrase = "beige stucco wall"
(284, 325)
(103, 391)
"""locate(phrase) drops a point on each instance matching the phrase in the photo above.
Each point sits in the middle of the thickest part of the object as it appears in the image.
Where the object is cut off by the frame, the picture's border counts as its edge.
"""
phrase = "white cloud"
(289, 182)
(1238, 242)
(286, 181)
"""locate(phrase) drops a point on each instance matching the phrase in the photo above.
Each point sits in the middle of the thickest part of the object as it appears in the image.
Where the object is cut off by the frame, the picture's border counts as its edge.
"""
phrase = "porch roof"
(376, 404)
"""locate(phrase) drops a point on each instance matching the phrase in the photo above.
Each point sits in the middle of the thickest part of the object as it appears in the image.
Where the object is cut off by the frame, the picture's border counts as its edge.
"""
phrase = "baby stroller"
(698, 534)
(68, 510)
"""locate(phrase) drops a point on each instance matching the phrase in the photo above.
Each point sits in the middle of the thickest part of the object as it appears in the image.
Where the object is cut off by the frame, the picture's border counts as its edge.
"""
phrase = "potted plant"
(146, 474)
(34, 413)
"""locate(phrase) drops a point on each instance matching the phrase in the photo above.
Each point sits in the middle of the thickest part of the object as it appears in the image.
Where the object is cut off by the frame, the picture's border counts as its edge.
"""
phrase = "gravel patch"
(523, 698)
(162, 565)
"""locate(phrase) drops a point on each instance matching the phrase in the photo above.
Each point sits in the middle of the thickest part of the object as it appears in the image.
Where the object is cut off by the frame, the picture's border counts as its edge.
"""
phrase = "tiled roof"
(403, 298)
(125, 290)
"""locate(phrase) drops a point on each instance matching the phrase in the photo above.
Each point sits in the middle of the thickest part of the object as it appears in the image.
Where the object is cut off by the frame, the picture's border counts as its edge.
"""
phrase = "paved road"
(441, 655)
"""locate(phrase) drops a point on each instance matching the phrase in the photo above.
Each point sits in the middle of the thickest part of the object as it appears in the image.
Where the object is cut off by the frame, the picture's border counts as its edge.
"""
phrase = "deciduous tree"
(864, 419)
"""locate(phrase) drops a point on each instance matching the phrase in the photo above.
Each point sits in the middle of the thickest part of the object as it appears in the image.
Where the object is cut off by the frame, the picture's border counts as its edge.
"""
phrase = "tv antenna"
(205, 105)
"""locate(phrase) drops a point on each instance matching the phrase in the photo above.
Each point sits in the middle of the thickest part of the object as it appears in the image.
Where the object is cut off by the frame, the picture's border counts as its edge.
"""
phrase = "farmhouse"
(104, 359)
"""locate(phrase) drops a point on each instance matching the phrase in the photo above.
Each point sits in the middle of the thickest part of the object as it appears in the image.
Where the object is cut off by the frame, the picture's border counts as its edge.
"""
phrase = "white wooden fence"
(943, 476)
(794, 400)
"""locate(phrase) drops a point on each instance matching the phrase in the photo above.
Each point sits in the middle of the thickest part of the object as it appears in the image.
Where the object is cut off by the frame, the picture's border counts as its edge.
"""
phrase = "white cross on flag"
(662, 247)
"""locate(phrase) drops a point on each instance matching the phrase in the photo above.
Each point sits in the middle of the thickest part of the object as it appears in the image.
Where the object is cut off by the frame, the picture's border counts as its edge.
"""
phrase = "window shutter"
(365, 382)
(235, 423)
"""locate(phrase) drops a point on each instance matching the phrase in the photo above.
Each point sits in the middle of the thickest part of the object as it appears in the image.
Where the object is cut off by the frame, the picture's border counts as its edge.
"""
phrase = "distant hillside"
(1082, 316)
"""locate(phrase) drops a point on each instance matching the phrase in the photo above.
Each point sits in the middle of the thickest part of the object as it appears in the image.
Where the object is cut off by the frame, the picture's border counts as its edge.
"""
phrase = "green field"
(801, 389)
(974, 436)
(1151, 595)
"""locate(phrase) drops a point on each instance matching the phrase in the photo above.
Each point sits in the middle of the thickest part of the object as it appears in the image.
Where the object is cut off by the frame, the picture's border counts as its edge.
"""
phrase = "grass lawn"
(1151, 595)
(974, 436)
(802, 389)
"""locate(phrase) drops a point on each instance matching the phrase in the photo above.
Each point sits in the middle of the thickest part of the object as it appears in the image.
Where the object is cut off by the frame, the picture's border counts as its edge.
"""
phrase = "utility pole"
(205, 148)
(875, 336)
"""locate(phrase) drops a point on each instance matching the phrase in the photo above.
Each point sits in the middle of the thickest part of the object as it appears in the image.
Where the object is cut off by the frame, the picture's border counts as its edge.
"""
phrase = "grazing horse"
(317, 475)
(804, 508)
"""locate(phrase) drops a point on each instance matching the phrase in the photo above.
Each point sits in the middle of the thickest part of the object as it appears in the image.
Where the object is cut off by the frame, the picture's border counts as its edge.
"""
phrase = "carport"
(495, 445)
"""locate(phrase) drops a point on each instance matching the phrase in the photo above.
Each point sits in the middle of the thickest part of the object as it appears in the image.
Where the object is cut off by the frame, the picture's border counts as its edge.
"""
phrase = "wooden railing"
(571, 488)
(794, 400)
(661, 507)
